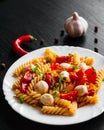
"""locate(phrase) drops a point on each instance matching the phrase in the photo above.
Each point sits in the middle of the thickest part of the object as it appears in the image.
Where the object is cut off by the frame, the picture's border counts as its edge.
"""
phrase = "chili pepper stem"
(33, 38)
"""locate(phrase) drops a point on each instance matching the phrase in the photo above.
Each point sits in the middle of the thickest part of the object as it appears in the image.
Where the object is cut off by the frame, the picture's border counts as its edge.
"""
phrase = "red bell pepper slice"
(72, 96)
(91, 75)
(63, 59)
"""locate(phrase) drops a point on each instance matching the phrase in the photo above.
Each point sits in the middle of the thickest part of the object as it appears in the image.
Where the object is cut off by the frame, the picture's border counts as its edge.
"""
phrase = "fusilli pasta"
(58, 85)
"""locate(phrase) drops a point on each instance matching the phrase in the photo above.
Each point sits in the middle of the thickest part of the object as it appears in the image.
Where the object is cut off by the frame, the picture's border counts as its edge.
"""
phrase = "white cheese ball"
(47, 99)
(65, 65)
(83, 66)
(64, 74)
(82, 90)
(41, 87)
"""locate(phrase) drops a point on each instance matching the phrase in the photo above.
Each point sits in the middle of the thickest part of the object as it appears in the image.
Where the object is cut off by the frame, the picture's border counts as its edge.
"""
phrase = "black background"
(45, 19)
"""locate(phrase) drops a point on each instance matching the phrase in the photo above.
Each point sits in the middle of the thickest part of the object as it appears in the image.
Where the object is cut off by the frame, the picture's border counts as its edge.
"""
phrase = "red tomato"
(55, 66)
(56, 79)
(27, 76)
(81, 81)
(73, 95)
(48, 79)
(91, 75)
(69, 96)
(81, 78)
(73, 76)
(69, 69)
(62, 59)
(64, 95)
(80, 73)
(90, 92)
(24, 87)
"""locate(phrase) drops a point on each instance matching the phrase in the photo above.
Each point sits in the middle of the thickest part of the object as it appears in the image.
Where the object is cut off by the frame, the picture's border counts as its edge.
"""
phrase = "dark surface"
(44, 19)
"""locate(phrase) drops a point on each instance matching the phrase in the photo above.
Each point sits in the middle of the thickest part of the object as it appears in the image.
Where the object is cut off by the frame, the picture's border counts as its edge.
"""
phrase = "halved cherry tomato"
(55, 66)
(64, 95)
(91, 75)
(69, 96)
(27, 77)
(90, 92)
(26, 80)
(48, 79)
(73, 76)
(62, 59)
(81, 81)
(80, 73)
(24, 87)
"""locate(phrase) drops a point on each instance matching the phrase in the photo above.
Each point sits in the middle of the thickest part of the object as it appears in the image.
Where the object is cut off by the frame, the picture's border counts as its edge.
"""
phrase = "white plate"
(83, 114)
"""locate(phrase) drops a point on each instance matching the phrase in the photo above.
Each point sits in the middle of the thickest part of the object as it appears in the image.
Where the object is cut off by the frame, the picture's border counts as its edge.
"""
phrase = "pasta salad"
(58, 85)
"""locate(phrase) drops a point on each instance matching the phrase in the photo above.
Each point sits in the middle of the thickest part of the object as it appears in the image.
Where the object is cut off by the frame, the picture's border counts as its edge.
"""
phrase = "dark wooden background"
(45, 19)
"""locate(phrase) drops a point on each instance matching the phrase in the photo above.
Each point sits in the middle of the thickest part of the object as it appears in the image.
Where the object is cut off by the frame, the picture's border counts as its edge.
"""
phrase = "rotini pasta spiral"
(62, 102)
(20, 68)
(89, 61)
(43, 68)
(76, 58)
(17, 84)
(50, 55)
(31, 99)
(100, 76)
(55, 110)
(82, 101)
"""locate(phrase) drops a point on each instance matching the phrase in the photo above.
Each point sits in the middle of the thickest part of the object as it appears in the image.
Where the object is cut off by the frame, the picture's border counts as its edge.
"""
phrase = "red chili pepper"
(16, 46)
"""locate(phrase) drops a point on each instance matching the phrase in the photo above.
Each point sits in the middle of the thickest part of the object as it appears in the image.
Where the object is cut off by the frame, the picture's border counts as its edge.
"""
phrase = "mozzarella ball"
(47, 99)
(82, 90)
(83, 66)
(65, 65)
(41, 87)
(64, 74)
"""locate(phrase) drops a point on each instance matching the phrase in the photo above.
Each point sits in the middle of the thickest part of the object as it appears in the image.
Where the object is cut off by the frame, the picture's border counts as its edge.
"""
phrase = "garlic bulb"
(76, 25)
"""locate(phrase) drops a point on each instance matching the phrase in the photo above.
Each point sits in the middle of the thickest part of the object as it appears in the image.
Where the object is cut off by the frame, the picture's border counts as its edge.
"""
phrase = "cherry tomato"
(80, 73)
(91, 75)
(48, 79)
(26, 80)
(69, 96)
(64, 95)
(73, 76)
(81, 78)
(62, 59)
(55, 66)
(69, 69)
(81, 81)
(90, 92)
(73, 95)
(27, 77)
(24, 87)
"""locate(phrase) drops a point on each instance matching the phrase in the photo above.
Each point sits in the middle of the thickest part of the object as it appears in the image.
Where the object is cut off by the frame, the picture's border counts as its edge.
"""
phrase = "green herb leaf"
(70, 54)
(21, 99)
(48, 61)
(74, 67)
(55, 90)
